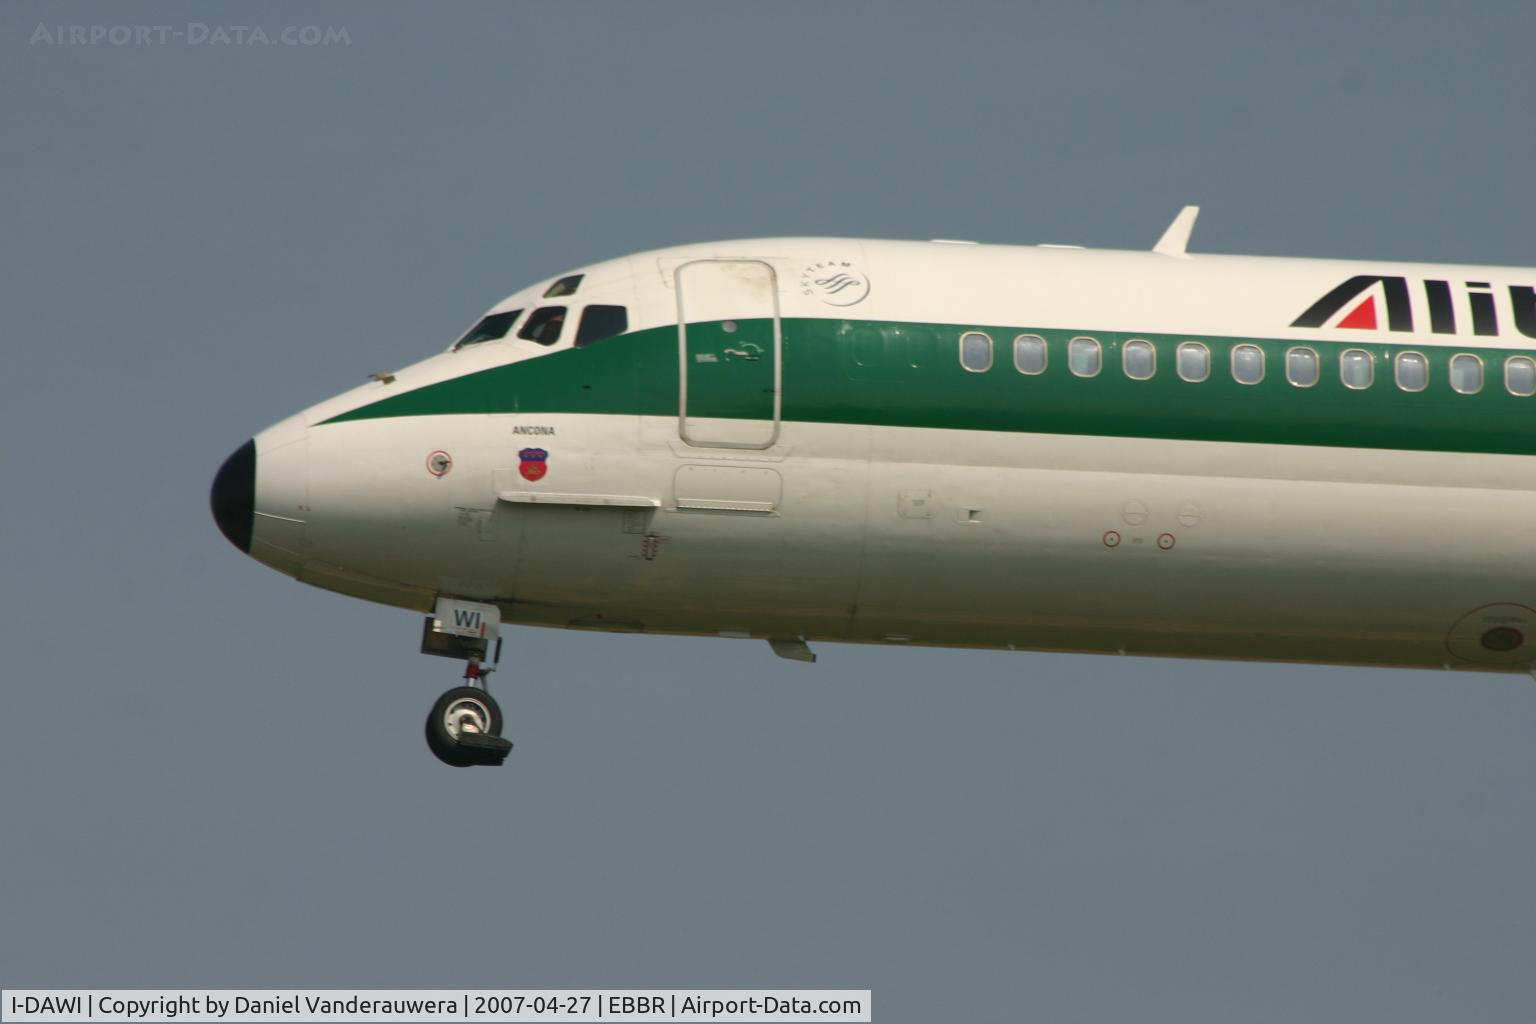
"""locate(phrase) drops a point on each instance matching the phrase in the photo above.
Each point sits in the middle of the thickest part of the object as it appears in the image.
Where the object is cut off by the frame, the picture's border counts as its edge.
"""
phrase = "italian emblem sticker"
(533, 464)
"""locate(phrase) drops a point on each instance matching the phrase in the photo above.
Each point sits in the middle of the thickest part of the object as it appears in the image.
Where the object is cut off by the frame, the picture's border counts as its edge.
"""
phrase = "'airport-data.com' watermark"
(192, 33)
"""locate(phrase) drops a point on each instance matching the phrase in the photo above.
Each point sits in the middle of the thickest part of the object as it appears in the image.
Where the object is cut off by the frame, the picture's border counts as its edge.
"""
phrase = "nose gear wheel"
(464, 728)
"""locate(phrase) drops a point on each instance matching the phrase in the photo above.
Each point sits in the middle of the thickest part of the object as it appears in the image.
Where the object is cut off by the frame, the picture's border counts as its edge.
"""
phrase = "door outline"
(682, 359)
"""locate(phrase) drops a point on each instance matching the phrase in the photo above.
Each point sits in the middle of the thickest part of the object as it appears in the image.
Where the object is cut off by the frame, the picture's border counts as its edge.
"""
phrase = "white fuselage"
(871, 529)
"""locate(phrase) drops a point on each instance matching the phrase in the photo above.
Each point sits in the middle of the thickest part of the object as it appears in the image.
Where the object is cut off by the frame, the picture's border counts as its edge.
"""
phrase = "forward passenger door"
(730, 354)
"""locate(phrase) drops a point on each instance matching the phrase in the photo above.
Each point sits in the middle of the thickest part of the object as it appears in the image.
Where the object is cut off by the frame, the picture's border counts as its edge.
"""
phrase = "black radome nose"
(233, 497)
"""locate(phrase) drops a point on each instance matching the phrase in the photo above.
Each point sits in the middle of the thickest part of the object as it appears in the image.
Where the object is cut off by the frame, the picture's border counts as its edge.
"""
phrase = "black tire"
(440, 730)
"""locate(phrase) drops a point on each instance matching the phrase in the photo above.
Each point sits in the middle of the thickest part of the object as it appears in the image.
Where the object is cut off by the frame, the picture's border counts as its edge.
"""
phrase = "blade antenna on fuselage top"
(1175, 241)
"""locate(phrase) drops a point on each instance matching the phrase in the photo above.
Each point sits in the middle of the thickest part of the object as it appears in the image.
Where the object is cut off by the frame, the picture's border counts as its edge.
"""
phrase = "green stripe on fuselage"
(909, 375)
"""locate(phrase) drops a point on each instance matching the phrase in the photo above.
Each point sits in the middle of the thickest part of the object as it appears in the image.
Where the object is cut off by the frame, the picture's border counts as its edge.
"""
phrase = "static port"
(1503, 638)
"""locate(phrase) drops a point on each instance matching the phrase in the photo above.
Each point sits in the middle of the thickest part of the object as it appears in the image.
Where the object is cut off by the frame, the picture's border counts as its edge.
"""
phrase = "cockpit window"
(599, 323)
(544, 325)
(491, 328)
(563, 287)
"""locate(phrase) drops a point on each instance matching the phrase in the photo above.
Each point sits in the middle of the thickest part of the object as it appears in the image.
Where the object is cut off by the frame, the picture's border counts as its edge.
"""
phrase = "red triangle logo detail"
(1363, 317)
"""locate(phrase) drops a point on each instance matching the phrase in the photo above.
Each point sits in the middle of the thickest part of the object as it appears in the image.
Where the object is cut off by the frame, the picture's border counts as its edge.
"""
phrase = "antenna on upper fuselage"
(1175, 241)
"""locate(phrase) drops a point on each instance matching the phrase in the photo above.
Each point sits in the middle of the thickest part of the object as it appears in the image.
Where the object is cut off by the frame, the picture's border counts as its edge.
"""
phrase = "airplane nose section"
(233, 497)
(260, 496)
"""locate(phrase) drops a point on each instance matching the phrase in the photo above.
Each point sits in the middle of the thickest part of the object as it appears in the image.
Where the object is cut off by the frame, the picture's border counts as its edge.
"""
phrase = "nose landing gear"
(464, 726)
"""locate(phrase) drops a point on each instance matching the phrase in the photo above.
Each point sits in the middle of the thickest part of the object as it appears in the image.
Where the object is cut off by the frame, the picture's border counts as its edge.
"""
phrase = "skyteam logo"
(1370, 302)
(835, 282)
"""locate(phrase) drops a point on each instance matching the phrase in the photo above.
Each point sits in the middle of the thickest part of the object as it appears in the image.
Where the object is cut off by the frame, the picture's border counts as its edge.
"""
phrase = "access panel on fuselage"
(729, 350)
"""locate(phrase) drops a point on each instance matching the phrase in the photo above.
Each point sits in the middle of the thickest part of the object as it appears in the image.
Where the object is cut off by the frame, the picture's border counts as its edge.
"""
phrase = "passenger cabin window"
(1139, 359)
(922, 346)
(544, 325)
(976, 351)
(1029, 354)
(1411, 370)
(1520, 376)
(868, 346)
(1466, 374)
(563, 287)
(1194, 361)
(1356, 368)
(1247, 364)
(599, 323)
(1084, 357)
(492, 328)
(1301, 367)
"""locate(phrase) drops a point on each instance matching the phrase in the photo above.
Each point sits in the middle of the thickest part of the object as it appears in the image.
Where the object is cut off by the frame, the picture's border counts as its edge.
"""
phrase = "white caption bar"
(301, 1006)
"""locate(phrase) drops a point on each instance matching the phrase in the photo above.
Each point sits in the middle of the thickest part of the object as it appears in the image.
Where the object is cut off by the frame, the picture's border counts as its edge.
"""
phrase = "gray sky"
(213, 776)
